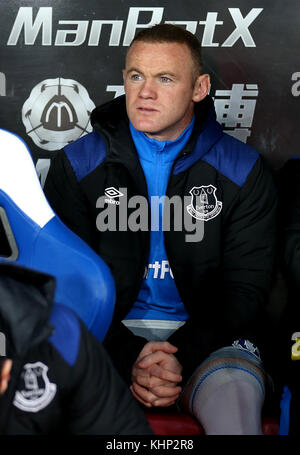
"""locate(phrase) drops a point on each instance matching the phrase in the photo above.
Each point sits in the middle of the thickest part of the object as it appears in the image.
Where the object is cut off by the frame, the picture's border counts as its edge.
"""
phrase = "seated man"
(193, 262)
(289, 341)
(56, 378)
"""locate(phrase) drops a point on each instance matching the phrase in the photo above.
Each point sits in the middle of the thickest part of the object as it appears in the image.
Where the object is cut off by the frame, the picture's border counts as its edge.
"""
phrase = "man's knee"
(225, 366)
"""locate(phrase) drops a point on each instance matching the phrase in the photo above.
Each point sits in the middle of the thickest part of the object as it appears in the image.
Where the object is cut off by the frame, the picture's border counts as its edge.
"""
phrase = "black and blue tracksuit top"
(223, 278)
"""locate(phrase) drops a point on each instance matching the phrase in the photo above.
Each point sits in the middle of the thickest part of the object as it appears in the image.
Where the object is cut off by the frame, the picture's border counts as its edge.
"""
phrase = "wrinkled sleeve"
(100, 401)
(249, 239)
(66, 198)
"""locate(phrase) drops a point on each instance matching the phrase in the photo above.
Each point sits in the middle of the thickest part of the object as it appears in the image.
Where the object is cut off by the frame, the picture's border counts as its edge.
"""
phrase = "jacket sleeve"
(100, 402)
(248, 239)
(67, 200)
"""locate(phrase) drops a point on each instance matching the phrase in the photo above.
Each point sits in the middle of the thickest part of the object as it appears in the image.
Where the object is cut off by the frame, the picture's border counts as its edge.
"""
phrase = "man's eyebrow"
(161, 73)
(133, 69)
(167, 73)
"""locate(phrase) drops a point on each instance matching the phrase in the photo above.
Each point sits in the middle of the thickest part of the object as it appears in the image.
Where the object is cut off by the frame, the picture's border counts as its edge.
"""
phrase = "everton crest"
(204, 204)
(35, 391)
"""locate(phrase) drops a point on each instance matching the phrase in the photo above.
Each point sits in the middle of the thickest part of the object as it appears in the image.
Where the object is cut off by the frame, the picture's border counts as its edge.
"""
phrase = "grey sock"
(229, 402)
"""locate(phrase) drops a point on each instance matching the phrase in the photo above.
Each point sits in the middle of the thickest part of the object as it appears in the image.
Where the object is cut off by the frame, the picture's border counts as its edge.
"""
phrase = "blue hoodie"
(158, 298)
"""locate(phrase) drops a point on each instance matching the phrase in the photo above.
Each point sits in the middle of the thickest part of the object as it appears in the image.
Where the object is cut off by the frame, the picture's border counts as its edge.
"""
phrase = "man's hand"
(5, 370)
(155, 375)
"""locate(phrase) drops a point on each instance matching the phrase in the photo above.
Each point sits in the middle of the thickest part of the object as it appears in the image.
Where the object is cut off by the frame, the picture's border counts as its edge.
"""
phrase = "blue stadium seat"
(37, 239)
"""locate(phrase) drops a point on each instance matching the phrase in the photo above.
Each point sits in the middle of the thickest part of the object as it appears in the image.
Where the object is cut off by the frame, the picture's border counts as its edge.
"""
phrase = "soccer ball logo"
(57, 112)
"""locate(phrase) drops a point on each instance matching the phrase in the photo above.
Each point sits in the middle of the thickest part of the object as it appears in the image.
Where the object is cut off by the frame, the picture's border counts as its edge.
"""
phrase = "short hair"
(169, 33)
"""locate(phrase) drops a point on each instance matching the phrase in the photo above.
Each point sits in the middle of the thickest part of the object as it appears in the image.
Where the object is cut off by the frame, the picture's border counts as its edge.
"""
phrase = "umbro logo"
(111, 193)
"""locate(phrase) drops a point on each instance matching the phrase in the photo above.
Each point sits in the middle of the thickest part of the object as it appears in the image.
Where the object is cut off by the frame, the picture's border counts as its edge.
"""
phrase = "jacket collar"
(207, 132)
(112, 122)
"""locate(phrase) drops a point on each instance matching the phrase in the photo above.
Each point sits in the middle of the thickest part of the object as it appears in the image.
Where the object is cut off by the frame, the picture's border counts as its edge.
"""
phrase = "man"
(57, 378)
(182, 299)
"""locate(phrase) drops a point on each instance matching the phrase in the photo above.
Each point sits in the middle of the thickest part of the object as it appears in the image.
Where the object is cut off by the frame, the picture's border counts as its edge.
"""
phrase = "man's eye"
(136, 77)
(165, 79)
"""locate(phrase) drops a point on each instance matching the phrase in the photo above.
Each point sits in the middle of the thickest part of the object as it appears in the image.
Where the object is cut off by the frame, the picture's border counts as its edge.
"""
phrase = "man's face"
(160, 88)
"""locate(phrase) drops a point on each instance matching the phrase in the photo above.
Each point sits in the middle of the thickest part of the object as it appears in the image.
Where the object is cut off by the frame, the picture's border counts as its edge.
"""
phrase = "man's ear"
(124, 75)
(5, 375)
(201, 87)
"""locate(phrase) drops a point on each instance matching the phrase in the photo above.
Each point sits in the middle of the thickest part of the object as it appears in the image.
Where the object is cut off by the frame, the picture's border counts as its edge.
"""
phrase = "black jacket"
(62, 380)
(288, 370)
(288, 182)
(224, 279)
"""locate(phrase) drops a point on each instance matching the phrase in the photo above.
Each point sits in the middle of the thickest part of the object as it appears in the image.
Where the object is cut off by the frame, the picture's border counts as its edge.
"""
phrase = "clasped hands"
(156, 374)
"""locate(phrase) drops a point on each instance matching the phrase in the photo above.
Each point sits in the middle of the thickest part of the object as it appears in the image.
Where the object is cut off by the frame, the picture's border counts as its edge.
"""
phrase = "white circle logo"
(57, 112)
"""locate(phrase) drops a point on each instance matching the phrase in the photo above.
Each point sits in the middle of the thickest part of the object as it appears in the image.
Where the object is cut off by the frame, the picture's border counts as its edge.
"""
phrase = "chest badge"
(35, 391)
(204, 203)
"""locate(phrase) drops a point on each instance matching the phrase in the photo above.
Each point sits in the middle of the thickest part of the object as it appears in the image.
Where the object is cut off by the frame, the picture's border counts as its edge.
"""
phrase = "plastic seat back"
(36, 238)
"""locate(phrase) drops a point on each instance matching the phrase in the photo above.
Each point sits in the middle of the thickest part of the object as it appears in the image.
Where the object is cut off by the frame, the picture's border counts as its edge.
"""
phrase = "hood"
(26, 299)
(109, 115)
(110, 120)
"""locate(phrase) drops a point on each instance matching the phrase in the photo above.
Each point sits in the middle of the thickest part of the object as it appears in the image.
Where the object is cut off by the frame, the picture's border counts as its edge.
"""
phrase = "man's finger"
(139, 372)
(163, 402)
(153, 346)
(164, 374)
(150, 381)
(143, 393)
(155, 357)
(148, 405)
(166, 392)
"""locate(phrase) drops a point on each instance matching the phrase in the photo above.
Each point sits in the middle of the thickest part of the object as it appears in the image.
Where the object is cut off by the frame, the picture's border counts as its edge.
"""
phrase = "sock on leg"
(226, 393)
(229, 402)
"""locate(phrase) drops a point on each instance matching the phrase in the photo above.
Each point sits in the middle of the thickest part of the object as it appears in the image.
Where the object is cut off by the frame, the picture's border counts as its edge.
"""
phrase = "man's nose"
(148, 90)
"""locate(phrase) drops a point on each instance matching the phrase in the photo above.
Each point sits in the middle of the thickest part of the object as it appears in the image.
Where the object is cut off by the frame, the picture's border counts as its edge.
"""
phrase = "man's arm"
(242, 285)
(66, 197)
(67, 200)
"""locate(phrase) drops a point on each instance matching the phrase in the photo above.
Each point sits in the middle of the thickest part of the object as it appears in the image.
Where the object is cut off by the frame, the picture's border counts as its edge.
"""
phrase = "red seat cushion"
(270, 425)
(183, 424)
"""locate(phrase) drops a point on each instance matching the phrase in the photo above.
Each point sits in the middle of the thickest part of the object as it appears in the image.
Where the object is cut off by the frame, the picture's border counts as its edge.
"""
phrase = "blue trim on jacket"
(295, 157)
(229, 156)
(232, 159)
(285, 403)
(86, 154)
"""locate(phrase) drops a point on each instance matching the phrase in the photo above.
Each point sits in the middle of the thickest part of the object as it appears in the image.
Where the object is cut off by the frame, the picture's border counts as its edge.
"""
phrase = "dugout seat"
(165, 423)
(34, 237)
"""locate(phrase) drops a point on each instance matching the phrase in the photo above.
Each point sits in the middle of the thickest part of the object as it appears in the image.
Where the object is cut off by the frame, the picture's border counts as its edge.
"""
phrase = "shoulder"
(86, 154)
(232, 158)
(67, 332)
